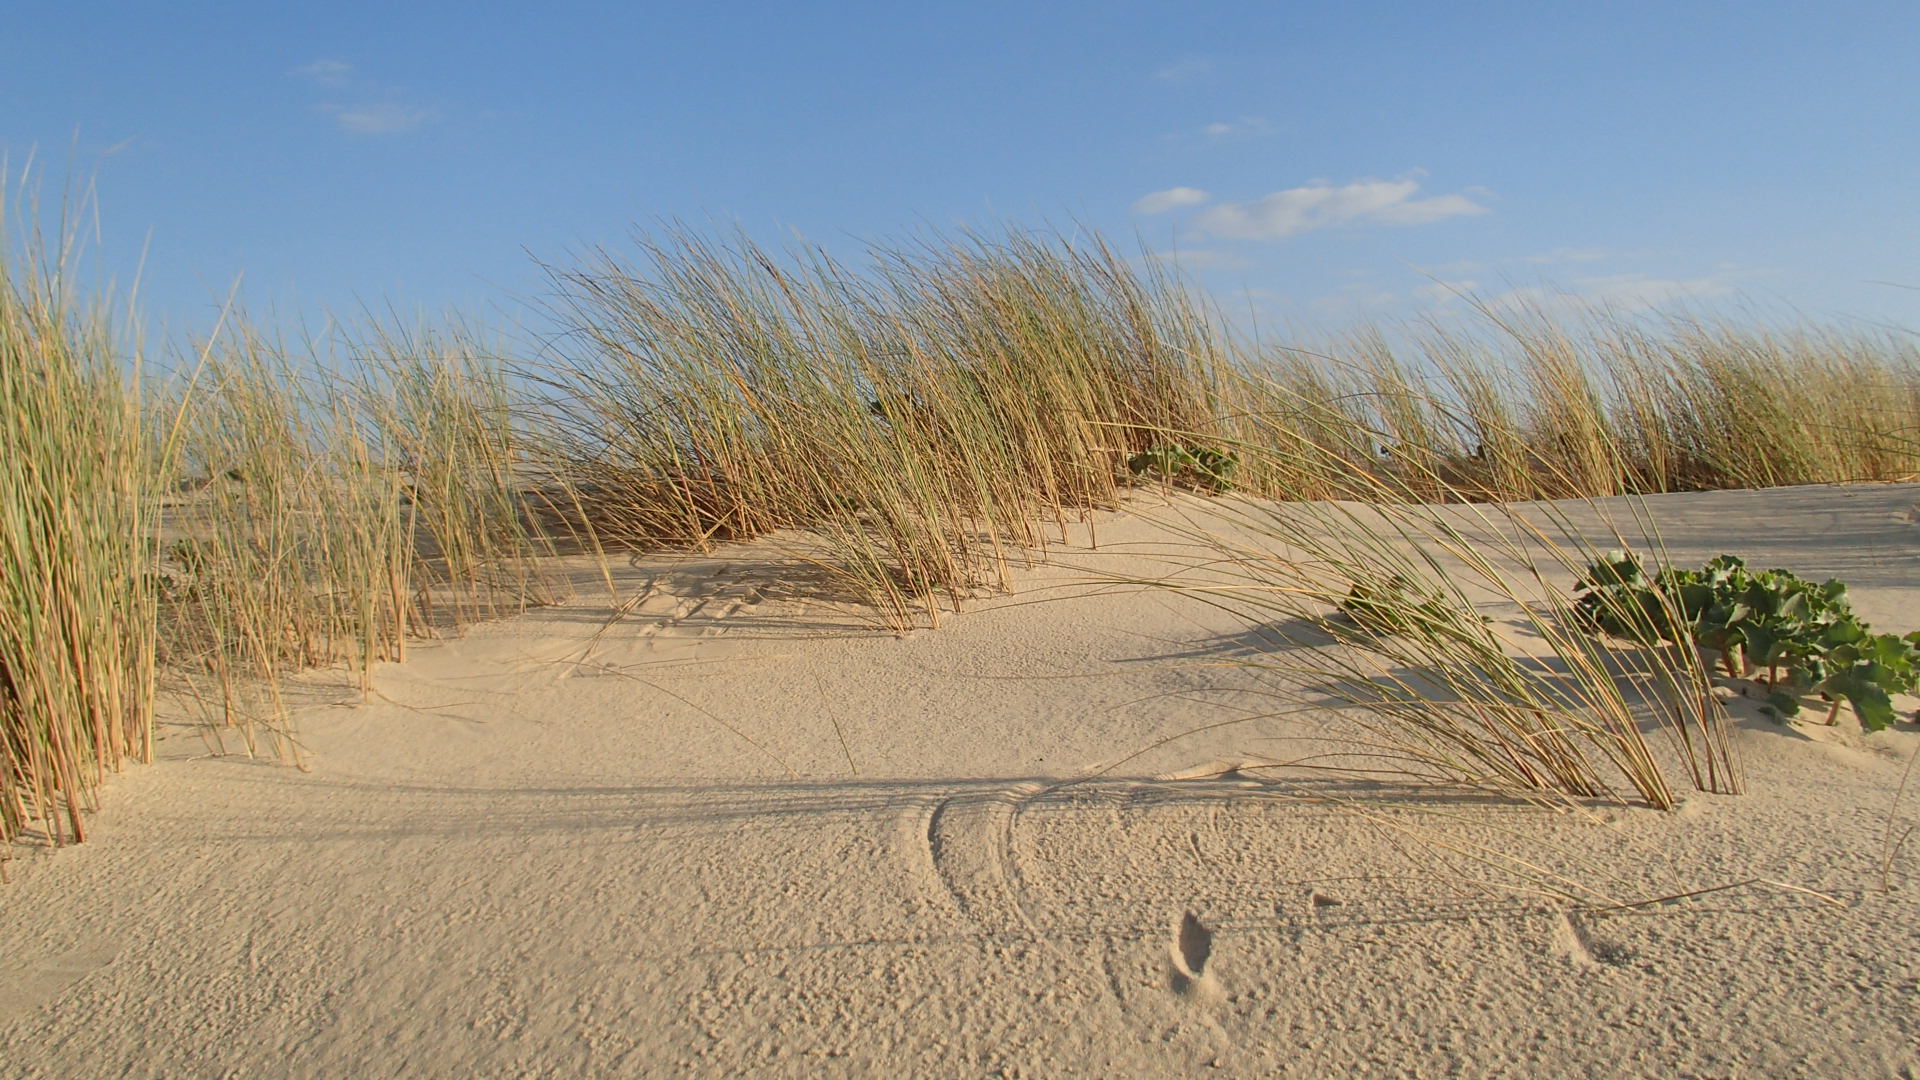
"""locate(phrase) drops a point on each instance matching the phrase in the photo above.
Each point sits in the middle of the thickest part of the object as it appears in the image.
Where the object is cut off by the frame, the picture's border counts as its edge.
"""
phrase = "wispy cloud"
(371, 107)
(1442, 293)
(1356, 299)
(1185, 69)
(1321, 205)
(1620, 293)
(1641, 290)
(1159, 202)
(326, 72)
(1203, 259)
(1559, 256)
(1568, 255)
(381, 117)
(1245, 127)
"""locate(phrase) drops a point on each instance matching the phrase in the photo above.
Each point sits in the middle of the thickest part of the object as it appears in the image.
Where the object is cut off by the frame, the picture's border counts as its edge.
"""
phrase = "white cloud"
(1321, 205)
(1442, 293)
(1245, 127)
(1633, 291)
(1616, 293)
(326, 72)
(1160, 202)
(1567, 254)
(1185, 69)
(380, 118)
(1557, 256)
(1203, 259)
(372, 107)
(1356, 299)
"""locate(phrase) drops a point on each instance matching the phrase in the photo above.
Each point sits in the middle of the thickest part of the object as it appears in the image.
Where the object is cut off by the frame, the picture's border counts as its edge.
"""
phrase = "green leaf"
(1615, 568)
(1847, 631)
(1860, 685)
(1795, 607)
(1695, 600)
(1783, 704)
(1764, 646)
(1722, 638)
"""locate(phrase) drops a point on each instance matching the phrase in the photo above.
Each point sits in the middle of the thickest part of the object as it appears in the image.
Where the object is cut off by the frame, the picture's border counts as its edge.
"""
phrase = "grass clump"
(322, 518)
(1446, 637)
(1514, 406)
(76, 624)
(917, 425)
(925, 417)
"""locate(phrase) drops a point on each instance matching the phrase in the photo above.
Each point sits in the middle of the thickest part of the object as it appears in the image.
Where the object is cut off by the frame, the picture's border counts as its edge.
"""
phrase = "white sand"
(747, 836)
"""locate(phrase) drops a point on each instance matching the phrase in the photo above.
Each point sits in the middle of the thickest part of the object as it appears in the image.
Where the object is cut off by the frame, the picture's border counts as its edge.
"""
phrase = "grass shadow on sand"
(1399, 851)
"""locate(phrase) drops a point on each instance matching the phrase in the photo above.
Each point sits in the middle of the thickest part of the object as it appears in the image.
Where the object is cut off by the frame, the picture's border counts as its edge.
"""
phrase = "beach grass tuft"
(76, 623)
(925, 417)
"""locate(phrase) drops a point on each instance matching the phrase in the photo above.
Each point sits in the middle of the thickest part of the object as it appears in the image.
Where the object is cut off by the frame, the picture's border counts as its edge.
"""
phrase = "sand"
(742, 832)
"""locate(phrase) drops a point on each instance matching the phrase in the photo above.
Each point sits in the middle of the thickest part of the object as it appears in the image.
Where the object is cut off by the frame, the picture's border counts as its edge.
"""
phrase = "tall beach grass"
(1442, 636)
(76, 623)
(930, 415)
(330, 501)
(1509, 406)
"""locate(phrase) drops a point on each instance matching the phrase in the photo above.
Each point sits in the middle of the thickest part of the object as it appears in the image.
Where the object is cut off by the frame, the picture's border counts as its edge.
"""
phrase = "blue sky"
(1313, 163)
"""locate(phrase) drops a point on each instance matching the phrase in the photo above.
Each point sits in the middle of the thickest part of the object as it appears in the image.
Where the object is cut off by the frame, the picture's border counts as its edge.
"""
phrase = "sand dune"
(737, 831)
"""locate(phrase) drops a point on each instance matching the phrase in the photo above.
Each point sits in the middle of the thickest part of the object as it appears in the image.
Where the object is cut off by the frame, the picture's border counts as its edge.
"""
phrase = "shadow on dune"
(1090, 859)
(1266, 639)
(532, 810)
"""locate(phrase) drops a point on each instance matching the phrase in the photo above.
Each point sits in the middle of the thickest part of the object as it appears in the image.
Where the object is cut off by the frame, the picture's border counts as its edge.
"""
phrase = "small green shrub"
(1394, 606)
(1198, 467)
(1799, 637)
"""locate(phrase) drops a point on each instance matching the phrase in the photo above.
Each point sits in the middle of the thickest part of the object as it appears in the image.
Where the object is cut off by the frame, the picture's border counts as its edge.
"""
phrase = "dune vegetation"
(204, 517)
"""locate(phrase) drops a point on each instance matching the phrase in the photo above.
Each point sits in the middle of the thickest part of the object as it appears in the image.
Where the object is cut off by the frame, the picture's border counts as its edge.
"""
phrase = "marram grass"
(76, 622)
(933, 414)
(1443, 638)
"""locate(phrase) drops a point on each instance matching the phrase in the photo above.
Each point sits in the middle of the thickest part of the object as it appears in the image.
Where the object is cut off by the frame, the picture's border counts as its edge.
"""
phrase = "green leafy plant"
(1192, 466)
(1395, 606)
(1793, 636)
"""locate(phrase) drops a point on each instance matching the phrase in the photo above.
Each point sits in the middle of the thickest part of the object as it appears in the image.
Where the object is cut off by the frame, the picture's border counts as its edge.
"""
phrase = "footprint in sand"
(718, 610)
(1322, 901)
(27, 984)
(1574, 941)
(1188, 953)
(665, 609)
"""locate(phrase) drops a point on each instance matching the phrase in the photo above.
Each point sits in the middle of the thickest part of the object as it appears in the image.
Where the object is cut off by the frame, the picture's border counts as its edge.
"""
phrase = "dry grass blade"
(923, 418)
(76, 627)
(1444, 634)
(930, 419)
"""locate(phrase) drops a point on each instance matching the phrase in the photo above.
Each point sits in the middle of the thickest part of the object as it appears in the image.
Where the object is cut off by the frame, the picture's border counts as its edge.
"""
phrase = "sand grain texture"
(738, 833)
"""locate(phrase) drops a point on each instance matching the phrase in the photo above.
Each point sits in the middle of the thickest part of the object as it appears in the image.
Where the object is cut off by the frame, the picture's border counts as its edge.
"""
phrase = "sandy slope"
(738, 833)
